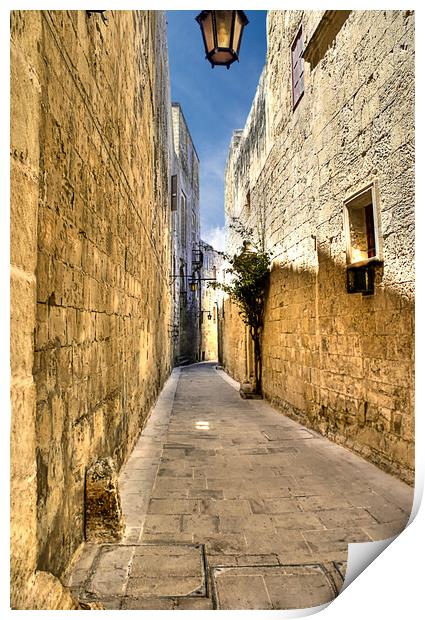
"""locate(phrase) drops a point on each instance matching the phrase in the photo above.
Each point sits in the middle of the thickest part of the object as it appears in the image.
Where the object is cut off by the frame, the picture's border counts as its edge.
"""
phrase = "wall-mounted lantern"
(222, 34)
(102, 14)
(193, 285)
(248, 248)
(208, 313)
(361, 280)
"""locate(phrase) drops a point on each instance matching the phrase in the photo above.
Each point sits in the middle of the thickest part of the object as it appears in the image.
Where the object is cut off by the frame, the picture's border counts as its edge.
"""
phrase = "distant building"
(212, 261)
(186, 254)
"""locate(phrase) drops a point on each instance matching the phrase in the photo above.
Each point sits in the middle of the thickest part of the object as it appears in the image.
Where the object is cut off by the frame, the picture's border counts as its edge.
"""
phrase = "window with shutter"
(297, 62)
(183, 220)
(174, 192)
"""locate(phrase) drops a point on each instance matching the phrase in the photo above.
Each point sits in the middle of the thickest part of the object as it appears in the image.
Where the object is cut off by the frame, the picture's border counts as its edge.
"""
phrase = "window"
(183, 218)
(248, 202)
(182, 279)
(297, 62)
(361, 228)
(194, 228)
(174, 192)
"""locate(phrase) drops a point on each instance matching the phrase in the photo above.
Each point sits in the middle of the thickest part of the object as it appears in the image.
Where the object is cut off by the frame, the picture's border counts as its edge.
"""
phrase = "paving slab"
(229, 504)
(273, 587)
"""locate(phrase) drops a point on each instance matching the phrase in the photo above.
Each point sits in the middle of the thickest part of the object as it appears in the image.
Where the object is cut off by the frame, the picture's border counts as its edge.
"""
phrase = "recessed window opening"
(248, 202)
(361, 228)
(174, 192)
(183, 221)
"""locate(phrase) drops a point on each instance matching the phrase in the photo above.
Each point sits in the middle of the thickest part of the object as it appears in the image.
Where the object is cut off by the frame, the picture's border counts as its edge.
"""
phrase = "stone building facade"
(91, 143)
(210, 301)
(186, 255)
(324, 173)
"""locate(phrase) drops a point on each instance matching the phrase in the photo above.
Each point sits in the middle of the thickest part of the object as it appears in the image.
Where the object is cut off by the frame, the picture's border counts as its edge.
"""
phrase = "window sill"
(369, 261)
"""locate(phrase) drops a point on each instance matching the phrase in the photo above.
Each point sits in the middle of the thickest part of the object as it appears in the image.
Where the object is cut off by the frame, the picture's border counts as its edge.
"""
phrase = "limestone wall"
(185, 242)
(210, 302)
(90, 154)
(341, 363)
(25, 175)
(234, 344)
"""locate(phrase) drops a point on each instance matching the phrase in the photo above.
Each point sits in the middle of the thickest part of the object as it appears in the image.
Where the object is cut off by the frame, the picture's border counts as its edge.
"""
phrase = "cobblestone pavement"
(231, 505)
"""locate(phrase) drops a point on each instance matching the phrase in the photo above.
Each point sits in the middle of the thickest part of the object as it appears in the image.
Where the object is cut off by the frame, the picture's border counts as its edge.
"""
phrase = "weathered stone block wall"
(186, 237)
(341, 363)
(25, 175)
(210, 302)
(91, 144)
(233, 349)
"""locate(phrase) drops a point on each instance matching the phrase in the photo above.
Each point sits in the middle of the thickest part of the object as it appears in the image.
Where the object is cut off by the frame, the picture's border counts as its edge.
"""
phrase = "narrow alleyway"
(230, 505)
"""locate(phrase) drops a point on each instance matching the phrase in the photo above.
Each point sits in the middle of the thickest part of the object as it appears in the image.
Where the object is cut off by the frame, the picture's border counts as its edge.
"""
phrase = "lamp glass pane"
(237, 33)
(224, 25)
(207, 25)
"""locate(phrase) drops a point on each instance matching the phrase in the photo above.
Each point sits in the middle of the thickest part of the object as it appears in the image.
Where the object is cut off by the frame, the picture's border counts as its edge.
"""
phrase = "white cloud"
(216, 237)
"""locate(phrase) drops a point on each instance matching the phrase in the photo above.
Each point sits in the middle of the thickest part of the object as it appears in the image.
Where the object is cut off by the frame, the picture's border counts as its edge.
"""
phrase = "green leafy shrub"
(250, 270)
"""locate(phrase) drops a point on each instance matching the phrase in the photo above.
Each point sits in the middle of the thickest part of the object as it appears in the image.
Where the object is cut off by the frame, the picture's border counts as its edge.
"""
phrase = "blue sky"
(214, 101)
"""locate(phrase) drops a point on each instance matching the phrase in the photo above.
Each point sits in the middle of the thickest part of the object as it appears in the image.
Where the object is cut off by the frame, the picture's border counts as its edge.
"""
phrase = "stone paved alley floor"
(228, 504)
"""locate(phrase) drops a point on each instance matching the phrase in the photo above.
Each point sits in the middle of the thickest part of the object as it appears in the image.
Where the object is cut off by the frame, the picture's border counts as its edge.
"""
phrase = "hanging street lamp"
(222, 34)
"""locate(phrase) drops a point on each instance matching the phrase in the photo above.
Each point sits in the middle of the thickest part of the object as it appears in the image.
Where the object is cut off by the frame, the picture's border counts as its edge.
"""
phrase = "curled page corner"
(360, 555)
